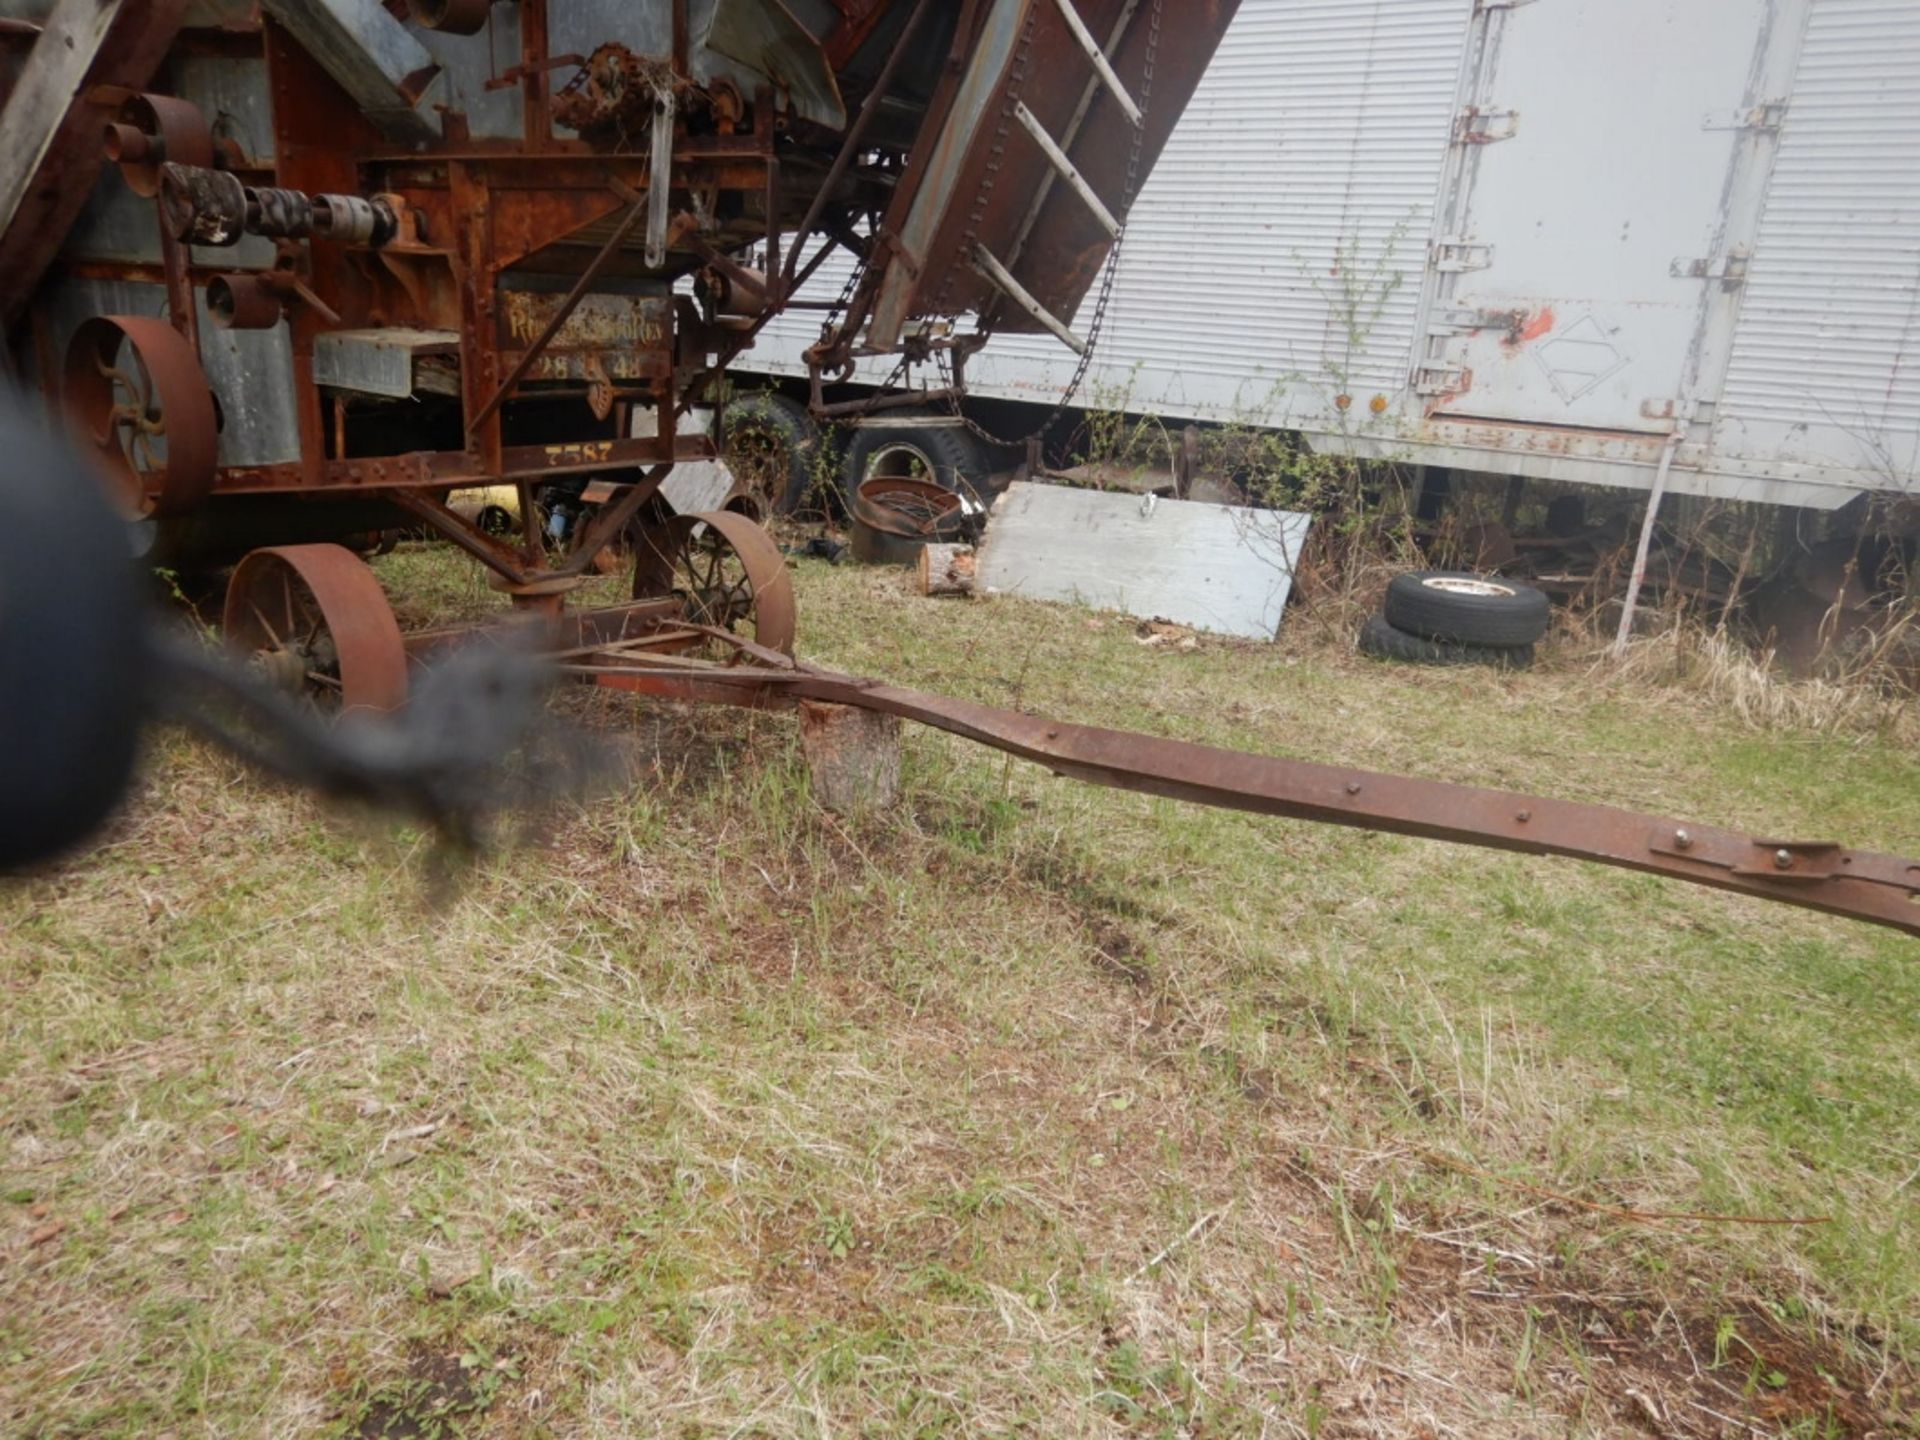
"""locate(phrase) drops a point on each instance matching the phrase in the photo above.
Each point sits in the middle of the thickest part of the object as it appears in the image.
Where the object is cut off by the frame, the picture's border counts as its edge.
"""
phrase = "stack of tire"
(1452, 617)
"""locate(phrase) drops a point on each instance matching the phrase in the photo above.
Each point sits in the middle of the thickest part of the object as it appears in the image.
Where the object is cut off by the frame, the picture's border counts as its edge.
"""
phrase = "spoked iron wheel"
(135, 388)
(726, 572)
(315, 621)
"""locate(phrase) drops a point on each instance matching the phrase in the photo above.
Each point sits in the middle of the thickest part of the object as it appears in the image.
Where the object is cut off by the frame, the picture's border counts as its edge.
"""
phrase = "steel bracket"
(1787, 862)
(1478, 126)
(1451, 253)
(1450, 320)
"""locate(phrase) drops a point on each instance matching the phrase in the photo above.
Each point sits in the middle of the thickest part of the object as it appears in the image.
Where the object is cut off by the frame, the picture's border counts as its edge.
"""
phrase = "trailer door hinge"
(1767, 116)
(1729, 269)
(1439, 378)
(1450, 320)
(1477, 126)
(1453, 253)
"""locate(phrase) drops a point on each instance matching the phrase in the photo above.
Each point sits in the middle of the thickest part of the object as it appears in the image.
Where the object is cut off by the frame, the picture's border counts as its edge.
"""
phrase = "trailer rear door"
(1585, 194)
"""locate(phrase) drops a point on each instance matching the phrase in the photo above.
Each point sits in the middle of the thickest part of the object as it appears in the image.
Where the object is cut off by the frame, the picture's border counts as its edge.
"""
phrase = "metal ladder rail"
(999, 273)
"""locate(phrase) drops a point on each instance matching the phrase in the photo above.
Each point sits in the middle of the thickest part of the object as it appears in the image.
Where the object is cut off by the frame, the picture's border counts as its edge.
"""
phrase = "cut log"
(946, 570)
(853, 756)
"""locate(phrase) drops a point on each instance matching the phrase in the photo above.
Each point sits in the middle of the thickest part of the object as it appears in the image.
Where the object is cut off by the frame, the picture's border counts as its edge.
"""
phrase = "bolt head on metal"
(1682, 840)
(1783, 859)
(1353, 787)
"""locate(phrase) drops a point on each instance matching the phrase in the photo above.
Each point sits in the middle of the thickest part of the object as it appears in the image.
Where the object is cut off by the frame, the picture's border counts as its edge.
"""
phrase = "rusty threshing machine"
(299, 270)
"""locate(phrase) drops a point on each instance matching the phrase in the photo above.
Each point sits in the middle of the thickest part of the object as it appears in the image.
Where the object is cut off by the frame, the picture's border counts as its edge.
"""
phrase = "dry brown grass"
(1709, 664)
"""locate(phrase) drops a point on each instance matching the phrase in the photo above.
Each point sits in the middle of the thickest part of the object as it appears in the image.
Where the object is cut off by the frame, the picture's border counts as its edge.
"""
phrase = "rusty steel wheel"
(314, 619)
(135, 389)
(724, 569)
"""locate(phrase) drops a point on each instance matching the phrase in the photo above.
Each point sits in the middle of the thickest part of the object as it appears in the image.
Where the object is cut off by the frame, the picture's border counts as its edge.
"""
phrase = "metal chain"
(1112, 267)
(854, 274)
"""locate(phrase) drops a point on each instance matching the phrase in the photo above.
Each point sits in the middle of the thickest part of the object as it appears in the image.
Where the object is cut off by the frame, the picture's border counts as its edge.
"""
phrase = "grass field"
(1026, 1109)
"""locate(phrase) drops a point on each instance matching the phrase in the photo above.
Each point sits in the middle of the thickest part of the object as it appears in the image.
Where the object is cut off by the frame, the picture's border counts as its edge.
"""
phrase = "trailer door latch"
(1477, 126)
(1765, 116)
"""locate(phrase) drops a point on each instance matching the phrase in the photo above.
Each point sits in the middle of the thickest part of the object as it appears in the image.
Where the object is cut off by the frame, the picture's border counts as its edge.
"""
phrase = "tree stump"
(946, 570)
(853, 756)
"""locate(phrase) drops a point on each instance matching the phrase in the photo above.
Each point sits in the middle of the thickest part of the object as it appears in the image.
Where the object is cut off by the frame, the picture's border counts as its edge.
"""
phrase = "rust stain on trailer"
(1529, 327)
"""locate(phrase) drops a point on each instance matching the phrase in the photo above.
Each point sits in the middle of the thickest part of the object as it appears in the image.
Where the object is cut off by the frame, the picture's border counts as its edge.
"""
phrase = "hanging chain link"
(854, 274)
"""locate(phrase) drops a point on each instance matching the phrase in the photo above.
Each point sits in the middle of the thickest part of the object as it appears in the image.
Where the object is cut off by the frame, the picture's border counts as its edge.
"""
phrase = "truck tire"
(949, 455)
(1460, 608)
(1387, 642)
(772, 447)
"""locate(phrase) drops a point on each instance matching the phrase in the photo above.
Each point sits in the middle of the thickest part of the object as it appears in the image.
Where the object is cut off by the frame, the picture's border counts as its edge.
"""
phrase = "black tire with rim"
(771, 445)
(950, 455)
(1384, 642)
(1460, 608)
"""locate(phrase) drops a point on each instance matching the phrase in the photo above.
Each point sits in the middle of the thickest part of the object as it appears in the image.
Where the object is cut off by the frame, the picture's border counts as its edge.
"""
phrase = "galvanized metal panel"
(1219, 568)
(251, 374)
(231, 92)
(377, 362)
(1826, 360)
(370, 55)
(470, 67)
(115, 225)
(581, 26)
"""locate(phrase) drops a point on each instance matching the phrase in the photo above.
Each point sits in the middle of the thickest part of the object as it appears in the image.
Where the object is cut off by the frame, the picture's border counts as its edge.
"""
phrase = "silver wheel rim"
(1459, 585)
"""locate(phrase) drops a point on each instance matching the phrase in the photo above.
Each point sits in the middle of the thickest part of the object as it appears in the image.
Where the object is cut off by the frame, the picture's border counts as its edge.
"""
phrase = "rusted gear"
(724, 569)
(314, 618)
(134, 387)
(614, 90)
(155, 129)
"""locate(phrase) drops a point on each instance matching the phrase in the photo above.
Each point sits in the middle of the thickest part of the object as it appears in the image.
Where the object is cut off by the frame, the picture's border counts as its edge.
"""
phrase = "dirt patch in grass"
(1700, 1374)
(443, 1390)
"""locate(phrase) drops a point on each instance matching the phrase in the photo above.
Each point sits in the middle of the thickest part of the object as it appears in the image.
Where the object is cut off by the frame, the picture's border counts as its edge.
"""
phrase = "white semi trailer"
(1599, 241)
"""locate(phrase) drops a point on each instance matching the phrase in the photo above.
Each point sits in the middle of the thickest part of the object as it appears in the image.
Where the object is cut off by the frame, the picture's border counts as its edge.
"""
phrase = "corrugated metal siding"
(1826, 359)
(1275, 254)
